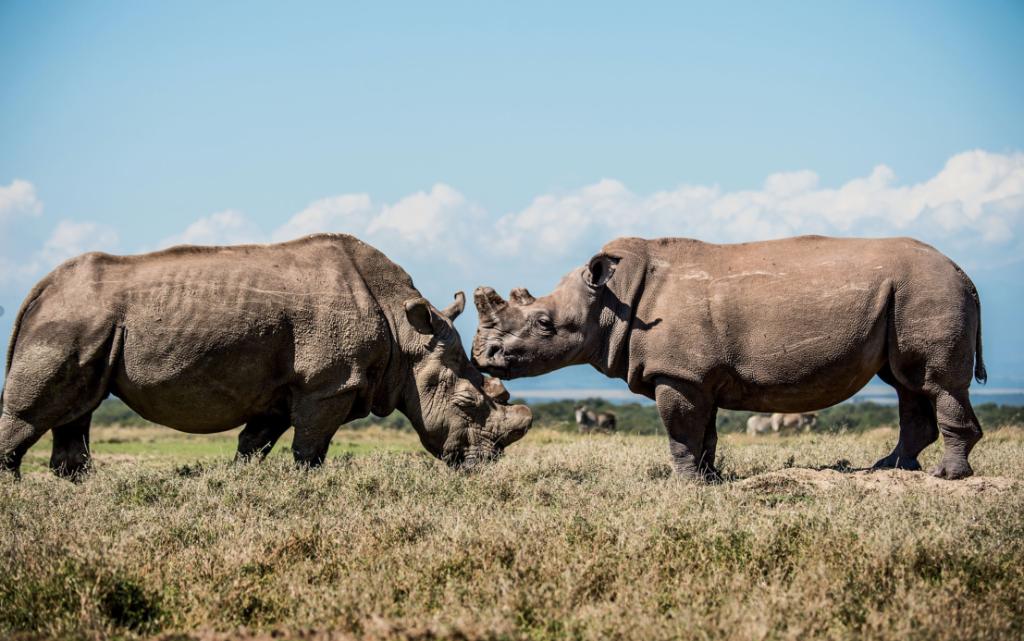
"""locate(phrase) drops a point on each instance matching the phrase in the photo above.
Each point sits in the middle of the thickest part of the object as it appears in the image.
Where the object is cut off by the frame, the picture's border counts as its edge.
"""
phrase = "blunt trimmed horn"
(452, 311)
(488, 303)
(520, 296)
(495, 389)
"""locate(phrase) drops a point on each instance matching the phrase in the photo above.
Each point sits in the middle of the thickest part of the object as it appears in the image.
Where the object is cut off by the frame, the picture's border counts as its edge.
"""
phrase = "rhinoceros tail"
(980, 373)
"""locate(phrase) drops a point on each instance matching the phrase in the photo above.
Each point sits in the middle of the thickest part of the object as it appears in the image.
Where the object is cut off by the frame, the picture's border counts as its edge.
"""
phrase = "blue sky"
(501, 144)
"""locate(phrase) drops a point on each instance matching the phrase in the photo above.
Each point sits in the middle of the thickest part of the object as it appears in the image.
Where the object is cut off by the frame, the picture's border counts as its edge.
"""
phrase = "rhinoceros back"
(764, 322)
(228, 329)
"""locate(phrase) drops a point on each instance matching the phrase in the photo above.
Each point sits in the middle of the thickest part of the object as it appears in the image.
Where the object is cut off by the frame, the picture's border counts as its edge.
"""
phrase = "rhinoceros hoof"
(894, 461)
(952, 470)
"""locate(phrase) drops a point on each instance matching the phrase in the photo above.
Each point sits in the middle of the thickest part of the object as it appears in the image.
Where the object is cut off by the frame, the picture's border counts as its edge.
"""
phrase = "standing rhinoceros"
(791, 325)
(587, 420)
(312, 333)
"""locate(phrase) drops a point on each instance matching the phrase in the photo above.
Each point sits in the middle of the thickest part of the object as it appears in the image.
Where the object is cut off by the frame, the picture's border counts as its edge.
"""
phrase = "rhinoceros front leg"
(70, 457)
(260, 435)
(918, 430)
(688, 415)
(316, 421)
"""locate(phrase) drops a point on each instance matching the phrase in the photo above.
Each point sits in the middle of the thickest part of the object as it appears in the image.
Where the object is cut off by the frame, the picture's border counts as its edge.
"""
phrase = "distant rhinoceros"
(587, 420)
(793, 422)
(759, 424)
(790, 325)
(313, 333)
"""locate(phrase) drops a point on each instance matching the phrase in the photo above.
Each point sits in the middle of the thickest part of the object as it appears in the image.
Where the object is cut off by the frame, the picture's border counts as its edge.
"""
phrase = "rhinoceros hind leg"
(16, 437)
(686, 413)
(316, 422)
(918, 428)
(260, 435)
(960, 432)
(70, 457)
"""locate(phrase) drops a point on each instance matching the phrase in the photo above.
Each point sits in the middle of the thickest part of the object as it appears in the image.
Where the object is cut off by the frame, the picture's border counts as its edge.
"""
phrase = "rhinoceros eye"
(544, 325)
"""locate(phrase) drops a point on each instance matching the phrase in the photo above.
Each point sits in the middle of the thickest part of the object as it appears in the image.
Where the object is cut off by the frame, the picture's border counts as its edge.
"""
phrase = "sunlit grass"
(567, 537)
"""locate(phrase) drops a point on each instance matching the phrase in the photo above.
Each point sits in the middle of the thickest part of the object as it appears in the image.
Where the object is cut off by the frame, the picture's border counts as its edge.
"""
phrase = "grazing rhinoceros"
(313, 333)
(790, 325)
(793, 422)
(759, 424)
(587, 420)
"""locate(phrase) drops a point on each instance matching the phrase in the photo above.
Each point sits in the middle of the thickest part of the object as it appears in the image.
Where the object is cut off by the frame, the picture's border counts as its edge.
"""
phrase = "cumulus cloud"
(70, 238)
(978, 197)
(973, 207)
(423, 216)
(19, 198)
(345, 213)
(227, 227)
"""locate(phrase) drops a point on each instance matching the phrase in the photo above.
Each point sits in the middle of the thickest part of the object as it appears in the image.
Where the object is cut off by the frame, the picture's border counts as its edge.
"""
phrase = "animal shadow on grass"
(841, 465)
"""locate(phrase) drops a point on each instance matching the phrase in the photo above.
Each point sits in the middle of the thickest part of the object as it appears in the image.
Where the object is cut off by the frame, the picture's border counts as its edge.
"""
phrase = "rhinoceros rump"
(312, 333)
(791, 325)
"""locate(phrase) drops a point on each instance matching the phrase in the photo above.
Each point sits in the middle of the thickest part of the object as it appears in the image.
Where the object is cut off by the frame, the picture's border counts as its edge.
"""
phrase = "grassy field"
(567, 537)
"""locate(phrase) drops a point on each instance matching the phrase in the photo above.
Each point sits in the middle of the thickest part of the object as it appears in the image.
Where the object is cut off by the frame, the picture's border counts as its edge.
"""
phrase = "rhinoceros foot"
(897, 461)
(952, 469)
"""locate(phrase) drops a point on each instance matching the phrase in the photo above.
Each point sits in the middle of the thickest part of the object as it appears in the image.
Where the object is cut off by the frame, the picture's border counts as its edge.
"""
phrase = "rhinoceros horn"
(520, 296)
(453, 310)
(494, 388)
(488, 305)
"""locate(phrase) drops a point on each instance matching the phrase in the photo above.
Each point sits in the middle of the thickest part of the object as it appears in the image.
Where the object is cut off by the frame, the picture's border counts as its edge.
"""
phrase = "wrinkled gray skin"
(792, 325)
(587, 420)
(313, 333)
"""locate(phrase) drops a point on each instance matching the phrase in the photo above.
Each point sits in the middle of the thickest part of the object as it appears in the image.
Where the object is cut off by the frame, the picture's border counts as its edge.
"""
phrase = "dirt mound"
(806, 480)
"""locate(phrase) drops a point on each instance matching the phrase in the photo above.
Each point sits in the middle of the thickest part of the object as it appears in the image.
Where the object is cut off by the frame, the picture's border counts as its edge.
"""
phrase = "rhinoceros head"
(527, 336)
(462, 416)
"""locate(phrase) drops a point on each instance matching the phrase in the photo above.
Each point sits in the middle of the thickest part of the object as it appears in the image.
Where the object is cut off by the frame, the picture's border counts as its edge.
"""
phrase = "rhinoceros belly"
(202, 378)
(798, 337)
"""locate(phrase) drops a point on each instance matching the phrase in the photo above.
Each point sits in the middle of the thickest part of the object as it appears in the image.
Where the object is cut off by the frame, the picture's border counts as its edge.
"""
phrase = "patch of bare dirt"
(804, 480)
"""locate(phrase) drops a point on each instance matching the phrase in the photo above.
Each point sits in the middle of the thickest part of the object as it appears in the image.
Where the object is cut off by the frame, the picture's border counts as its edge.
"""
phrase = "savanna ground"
(567, 537)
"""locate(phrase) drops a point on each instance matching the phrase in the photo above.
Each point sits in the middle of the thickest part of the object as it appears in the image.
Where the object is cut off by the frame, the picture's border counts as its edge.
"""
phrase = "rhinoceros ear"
(453, 310)
(520, 296)
(418, 311)
(600, 270)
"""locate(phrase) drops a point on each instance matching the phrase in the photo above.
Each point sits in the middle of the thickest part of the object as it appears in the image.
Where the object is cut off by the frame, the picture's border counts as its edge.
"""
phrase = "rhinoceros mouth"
(503, 369)
(475, 458)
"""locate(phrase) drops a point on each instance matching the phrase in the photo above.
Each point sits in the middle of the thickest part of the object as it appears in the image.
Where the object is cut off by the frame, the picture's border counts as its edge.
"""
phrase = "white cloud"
(973, 208)
(67, 239)
(71, 238)
(423, 216)
(19, 198)
(978, 197)
(346, 213)
(227, 227)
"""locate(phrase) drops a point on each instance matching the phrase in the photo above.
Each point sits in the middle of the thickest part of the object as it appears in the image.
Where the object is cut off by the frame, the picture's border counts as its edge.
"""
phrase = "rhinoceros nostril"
(493, 351)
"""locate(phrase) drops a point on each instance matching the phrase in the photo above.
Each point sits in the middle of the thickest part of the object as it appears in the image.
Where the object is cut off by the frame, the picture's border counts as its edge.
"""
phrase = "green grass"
(567, 537)
(154, 445)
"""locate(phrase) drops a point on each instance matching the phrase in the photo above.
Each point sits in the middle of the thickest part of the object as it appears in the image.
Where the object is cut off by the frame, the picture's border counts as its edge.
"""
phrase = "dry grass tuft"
(565, 538)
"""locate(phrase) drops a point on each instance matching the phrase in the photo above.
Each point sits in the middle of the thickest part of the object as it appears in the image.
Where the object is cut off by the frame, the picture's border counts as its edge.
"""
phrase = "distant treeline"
(643, 419)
